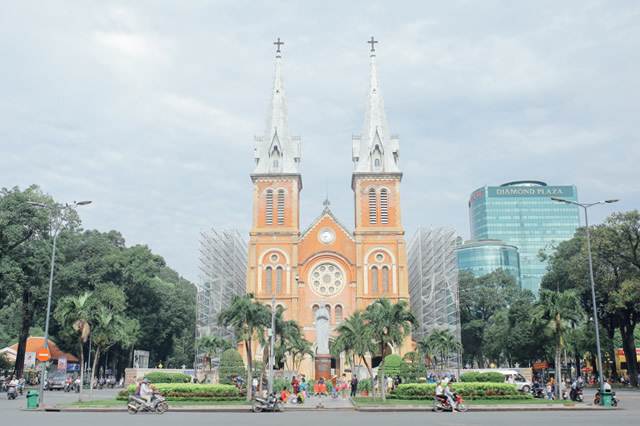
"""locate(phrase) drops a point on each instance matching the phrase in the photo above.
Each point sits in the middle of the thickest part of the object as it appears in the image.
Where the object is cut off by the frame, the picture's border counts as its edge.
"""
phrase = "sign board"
(73, 367)
(62, 363)
(540, 365)
(29, 359)
(43, 355)
(621, 352)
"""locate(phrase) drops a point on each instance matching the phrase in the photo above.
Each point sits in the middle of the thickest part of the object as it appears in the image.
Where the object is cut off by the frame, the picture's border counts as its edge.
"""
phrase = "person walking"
(354, 386)
(343, 386)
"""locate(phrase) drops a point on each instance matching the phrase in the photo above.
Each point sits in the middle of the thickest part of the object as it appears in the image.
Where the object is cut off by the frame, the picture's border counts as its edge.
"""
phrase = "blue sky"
(149, 108)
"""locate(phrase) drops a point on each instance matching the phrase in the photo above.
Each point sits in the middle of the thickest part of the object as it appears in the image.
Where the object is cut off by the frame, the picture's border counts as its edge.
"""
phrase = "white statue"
(322, 330)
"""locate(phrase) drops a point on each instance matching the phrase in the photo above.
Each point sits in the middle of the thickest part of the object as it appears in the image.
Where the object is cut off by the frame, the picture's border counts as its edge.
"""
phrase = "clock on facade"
(326, 235)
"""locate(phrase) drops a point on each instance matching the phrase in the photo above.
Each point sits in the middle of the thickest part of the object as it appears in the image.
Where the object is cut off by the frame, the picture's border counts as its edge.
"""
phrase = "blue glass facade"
(522, 214)
(485, 256)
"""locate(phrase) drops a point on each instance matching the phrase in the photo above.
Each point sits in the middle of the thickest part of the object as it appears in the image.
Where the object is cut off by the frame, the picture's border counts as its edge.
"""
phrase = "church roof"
(375, 143)
(326, 212)
(277, 151)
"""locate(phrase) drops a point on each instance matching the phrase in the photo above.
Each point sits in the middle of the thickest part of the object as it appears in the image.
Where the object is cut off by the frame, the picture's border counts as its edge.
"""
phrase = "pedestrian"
(343, 386)
(354, 385)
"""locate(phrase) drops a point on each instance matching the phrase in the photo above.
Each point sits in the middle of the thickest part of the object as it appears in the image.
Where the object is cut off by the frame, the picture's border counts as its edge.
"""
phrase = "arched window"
(338, 314)
(278, 280)
(374, 280)
(269, 207)
(377, 162)
(314, 309)
(328, 310)
(281, 207)
(385, 279)
(372, 207)
(269, 288)
(384, 217)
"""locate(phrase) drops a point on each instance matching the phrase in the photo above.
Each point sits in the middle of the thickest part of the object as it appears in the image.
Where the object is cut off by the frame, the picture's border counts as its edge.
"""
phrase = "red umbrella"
(585, 368)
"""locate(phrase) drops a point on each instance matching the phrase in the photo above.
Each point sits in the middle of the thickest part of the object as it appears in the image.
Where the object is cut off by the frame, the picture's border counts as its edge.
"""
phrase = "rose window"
(327, 279)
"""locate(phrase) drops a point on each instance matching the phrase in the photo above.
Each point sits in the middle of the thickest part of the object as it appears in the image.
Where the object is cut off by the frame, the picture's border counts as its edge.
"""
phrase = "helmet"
(153, 386)
(145, 380)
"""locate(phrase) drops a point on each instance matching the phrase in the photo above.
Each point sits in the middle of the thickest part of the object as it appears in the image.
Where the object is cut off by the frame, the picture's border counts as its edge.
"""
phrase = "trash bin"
(32, 399)
(606, 398)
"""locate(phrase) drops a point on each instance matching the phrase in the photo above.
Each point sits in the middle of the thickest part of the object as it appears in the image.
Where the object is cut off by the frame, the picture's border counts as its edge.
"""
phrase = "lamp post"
(272, 331)
(58, 219)
(585, 206)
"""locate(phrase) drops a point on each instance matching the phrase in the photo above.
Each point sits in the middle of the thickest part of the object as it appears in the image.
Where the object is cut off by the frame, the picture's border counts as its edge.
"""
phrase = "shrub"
(491, 377)
(392, 365)
(365, 385)
(469, 377)
(474, 390)
(190, 391)
(231, 365)
(167, 377)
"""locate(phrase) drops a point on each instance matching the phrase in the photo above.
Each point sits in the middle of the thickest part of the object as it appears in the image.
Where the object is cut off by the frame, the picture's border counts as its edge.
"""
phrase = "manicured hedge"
(190, 392)
(167, 377)
(476, 390)
(490, 377)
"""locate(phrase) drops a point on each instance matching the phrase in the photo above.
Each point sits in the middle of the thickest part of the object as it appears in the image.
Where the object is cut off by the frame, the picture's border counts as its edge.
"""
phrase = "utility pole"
(272, 355)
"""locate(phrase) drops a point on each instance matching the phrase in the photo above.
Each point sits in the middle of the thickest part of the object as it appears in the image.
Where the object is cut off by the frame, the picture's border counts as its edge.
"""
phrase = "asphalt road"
(11, 413)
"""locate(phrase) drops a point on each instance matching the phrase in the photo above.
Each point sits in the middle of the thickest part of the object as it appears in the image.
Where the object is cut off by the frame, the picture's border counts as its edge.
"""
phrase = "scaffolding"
(223, 272)
(433, 281)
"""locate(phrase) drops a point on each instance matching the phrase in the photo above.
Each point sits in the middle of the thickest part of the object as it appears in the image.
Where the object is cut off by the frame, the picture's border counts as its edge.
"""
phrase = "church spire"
(277, 151)
(375, 150)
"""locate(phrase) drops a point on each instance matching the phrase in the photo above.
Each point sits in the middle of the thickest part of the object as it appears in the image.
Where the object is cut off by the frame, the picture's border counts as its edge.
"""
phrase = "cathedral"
(325, 264)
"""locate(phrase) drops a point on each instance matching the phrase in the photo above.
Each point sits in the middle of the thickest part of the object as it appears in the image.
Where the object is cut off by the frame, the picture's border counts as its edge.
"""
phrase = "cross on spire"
(372, 42)
(326, 203)
(279, 43)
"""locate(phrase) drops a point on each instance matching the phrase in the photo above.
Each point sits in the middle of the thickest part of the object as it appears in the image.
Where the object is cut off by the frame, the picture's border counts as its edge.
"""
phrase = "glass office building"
(523, 215)
(485, 256)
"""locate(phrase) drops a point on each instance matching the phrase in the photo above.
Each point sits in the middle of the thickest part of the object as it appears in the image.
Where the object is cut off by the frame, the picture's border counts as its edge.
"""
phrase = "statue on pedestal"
(322, 330)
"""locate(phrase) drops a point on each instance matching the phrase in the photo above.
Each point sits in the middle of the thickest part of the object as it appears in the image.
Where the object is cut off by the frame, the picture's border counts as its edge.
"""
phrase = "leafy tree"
(393, 365)
(413, 367)
(355, 337)
(557, 311)
(426, 347)
(248, 319)
(107, 329)
(445, 343)
(390, 324)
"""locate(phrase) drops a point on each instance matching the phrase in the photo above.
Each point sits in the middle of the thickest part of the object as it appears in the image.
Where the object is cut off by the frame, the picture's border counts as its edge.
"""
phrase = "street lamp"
(58, 219)
(585, 206)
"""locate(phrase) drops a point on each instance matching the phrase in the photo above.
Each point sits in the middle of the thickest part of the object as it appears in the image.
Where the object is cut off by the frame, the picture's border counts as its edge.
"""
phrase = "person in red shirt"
(283, 395)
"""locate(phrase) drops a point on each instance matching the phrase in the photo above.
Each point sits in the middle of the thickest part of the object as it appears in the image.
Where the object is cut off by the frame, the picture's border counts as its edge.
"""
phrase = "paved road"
(11, 414)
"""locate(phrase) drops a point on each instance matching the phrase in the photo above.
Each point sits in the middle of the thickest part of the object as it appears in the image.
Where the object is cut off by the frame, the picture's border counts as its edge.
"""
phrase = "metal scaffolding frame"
(433, 281)
(223, 273)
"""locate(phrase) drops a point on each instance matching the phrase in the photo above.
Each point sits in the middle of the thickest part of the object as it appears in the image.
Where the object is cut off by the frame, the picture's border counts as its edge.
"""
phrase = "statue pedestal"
(323, 367)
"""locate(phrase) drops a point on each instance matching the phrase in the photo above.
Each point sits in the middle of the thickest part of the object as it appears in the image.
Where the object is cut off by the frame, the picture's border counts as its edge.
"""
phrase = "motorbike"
(12, 392)
(598, 401)
(441, 403)
(67, 387)
(579, 396)
(537, 393)
(271, 403)
(157, 405)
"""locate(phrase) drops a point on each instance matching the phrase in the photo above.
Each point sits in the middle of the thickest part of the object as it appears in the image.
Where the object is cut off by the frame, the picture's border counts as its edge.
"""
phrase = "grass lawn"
(117, 403)
(429, 402)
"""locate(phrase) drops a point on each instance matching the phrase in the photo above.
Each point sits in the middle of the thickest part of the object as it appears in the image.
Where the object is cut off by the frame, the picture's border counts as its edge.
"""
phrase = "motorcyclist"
(14, 382)
(449, 395)
(21, 383)
(439, 391)
(146, 392)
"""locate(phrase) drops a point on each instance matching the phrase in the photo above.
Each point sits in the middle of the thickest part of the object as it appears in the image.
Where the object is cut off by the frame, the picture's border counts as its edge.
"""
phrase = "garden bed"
(190, 392)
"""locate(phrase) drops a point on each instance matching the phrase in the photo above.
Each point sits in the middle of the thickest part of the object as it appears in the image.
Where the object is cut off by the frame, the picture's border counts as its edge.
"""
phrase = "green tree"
(75, 312)
(557, 312)
(248, 319)
(390, 324)
(355, 338)
(426, 347)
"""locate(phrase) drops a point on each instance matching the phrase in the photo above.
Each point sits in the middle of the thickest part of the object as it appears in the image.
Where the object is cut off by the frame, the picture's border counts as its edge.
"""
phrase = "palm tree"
(212, 346)
(107, 330)
(355, 337)
(444, 342)
(76, 312)
(248, 318)
(556, 311)
(389, 324)
(426, 347)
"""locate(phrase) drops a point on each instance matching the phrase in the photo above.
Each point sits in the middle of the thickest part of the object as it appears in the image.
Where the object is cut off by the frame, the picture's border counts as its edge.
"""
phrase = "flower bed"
(190, 392)
(468, 391)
